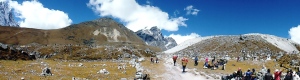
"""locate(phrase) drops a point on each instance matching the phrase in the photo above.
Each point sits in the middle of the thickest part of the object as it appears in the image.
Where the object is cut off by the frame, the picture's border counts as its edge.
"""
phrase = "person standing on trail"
(277, 74)
(238, 58)
(152, 59)
(268, 75)
(184, 63)
(174, 59)
(156, 60)
(213, 60)
(196, 61)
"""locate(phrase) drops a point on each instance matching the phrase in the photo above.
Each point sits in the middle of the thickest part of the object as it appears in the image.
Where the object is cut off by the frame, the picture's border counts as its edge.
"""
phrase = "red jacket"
(277, 75)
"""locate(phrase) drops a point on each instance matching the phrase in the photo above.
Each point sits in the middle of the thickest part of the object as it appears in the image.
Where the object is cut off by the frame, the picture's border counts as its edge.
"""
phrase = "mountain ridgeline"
(154, 37)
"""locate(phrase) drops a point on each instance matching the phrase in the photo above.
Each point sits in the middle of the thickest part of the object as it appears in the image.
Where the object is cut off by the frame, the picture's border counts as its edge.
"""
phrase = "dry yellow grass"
(31, 70)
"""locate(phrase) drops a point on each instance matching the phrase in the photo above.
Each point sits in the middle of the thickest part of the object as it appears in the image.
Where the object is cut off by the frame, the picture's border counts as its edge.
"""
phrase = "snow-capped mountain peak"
(6, 15)
(154, 37)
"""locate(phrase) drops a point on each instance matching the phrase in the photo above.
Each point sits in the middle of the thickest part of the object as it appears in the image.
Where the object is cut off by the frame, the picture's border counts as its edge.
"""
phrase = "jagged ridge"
(154, 37)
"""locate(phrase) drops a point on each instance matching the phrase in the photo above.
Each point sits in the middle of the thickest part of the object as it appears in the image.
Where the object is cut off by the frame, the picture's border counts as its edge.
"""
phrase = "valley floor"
(164, 70)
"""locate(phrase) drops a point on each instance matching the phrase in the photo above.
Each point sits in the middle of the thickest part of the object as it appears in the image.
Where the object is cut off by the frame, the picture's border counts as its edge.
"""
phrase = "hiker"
(216, 65)
(174, 59)
(253, 75)
(289, 75)
(196, 61)
(238, 58)
(184, 63)
(156, 60)
(152, 59)
(213, 60)
(248, 75)
(239, 74)
(298, 72)
(277, 74)
(206, 60)
(223, 67)
(268, 75)
(295, 76)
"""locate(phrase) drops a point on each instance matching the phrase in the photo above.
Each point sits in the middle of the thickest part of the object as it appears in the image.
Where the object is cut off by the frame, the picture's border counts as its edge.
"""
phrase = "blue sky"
(215, 17)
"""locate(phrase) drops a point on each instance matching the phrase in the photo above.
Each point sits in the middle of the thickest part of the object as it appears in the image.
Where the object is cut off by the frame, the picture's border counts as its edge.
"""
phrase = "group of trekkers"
(215, 65)
(184, 61)
(252, 75)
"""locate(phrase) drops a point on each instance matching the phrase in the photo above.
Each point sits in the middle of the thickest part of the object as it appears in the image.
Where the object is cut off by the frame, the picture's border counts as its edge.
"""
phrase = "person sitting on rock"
(248, 75)
(253, 75)
(268, 75)
(239, 74)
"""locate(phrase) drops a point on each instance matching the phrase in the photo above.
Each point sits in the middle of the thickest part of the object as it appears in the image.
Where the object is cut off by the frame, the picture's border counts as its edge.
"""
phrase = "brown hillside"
(99, 39)
(233, 46)
(92, 32)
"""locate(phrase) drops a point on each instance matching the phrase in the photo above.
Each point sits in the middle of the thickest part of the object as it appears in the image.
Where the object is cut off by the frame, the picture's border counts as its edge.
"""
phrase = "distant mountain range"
(6, 15)
(154, 37)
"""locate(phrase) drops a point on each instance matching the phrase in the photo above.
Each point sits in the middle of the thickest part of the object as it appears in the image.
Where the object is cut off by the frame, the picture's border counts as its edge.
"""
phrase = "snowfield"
(281, 43)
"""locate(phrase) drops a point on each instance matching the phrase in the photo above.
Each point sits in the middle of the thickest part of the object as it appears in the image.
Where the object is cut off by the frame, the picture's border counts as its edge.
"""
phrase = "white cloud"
(136, 16)
(295, 34)
(34, 15)
(191, 11)
(181, 38)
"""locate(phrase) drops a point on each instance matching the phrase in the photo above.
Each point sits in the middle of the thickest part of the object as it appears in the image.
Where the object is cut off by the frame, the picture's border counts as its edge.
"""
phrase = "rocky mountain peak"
(154, 37)
(6, 15)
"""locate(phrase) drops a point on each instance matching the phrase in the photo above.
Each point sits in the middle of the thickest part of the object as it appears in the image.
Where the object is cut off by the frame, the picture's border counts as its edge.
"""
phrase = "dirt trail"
(165, 70)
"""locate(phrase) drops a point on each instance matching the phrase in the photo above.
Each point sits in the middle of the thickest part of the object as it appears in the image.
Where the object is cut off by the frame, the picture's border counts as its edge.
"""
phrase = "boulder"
(46, 72)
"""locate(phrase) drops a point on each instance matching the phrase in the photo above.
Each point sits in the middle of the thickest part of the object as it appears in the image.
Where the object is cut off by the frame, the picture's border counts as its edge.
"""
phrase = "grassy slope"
(16, 69)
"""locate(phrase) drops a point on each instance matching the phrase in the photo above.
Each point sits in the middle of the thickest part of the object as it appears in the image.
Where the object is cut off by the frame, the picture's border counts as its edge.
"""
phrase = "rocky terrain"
(154, 37)
(6, 15)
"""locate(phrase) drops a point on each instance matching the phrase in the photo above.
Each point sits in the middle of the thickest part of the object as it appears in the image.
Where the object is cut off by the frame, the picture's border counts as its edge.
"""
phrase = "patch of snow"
(96, 32)
(281, 43)
(112, 35)
(168, 44)
(186, 44)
